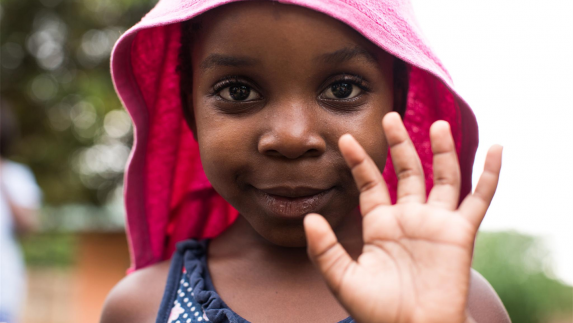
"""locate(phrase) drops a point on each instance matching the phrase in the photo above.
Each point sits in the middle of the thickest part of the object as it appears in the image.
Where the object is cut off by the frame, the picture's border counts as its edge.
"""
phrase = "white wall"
(513, 63)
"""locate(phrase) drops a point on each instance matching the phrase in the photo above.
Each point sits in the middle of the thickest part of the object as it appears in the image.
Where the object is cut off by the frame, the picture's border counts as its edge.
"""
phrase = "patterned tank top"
(190, 296)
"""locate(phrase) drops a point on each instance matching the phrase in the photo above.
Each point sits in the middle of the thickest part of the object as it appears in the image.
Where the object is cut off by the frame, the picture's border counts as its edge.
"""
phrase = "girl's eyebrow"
(339, 56)
(345, 54)
(214, 60)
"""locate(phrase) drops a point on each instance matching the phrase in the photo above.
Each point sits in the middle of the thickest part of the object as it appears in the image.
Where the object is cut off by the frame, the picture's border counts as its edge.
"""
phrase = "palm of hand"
(415, 265)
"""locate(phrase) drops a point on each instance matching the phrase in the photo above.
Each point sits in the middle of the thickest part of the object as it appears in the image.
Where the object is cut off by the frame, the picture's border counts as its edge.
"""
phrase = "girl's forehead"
(260, 27)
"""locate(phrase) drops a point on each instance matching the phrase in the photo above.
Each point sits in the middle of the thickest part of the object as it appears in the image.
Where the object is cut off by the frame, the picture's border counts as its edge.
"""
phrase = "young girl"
(262, 135)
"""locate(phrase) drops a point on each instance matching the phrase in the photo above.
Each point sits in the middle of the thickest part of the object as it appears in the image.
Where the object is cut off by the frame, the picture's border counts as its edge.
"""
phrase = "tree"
(519, 269)
(55, 76)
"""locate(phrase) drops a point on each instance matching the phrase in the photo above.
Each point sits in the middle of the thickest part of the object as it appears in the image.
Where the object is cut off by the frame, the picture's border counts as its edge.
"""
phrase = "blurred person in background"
(19, 202)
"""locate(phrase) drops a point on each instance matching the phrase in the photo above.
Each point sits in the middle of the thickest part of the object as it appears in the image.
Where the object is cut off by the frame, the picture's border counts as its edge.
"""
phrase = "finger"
(475, 205)
(373, 190)
(411, 181)
(325, 251)
(446, 190)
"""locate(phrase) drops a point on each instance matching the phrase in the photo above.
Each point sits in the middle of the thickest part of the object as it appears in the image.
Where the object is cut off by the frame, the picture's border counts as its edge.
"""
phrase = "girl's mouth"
(293, 202)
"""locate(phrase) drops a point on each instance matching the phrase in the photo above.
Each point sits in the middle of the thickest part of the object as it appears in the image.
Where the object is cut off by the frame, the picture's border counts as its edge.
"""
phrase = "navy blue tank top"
(190, 296)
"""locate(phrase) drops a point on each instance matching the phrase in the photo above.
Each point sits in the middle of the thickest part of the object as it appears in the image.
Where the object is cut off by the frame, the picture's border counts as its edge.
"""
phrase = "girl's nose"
(292, 135)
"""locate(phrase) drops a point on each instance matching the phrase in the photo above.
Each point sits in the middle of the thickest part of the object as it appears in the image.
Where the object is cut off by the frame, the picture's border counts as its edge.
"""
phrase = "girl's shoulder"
(484, 304)
(140, 296)
(137, 297)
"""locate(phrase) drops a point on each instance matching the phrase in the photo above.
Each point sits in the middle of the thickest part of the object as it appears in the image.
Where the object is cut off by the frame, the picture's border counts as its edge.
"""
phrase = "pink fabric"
(167, 195)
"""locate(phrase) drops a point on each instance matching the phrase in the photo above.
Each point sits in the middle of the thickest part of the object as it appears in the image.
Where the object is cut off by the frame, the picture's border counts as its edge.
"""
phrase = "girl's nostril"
(273, 153)
(313, 152)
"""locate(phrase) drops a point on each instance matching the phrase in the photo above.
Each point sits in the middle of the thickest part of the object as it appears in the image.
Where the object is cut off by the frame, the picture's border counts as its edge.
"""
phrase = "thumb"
(326, 252)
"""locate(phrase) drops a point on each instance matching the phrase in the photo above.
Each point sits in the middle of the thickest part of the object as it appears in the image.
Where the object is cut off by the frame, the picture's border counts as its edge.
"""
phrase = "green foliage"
(518, 267)
(49, 249)
(55, 76)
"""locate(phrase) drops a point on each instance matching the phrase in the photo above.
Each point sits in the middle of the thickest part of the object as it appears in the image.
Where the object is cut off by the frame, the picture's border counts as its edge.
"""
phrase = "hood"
(168, 198)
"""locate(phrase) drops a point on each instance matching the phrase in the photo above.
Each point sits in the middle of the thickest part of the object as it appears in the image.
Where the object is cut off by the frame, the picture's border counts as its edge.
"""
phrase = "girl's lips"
(293, 202)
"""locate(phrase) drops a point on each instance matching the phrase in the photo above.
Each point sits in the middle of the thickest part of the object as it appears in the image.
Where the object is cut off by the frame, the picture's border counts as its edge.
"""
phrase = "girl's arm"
(136, 298)
(484, 305)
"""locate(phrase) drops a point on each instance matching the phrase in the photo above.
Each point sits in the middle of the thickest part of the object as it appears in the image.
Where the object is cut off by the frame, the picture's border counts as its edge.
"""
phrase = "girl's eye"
(239, 92)
(342, 90)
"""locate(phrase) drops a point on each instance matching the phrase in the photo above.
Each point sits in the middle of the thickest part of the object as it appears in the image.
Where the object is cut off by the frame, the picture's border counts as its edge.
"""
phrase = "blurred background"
(75, 138)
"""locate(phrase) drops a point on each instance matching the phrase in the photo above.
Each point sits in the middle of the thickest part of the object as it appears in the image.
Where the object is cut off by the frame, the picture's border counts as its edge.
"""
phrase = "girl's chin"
(286, 229)
(290, 232)
(288, 235)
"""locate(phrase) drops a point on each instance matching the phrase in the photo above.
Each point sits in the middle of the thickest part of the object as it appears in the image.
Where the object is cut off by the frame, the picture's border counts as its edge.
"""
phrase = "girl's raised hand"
(415, 264)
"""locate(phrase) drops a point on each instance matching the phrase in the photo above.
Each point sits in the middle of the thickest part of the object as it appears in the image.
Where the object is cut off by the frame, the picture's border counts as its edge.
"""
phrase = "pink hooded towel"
(168, 198)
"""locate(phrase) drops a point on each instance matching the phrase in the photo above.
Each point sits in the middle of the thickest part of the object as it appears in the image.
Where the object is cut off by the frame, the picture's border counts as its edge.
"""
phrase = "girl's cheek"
(368, 131)
(224, 151)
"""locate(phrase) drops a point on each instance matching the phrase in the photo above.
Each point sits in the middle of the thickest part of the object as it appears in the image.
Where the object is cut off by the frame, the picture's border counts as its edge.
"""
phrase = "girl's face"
(274, 88)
